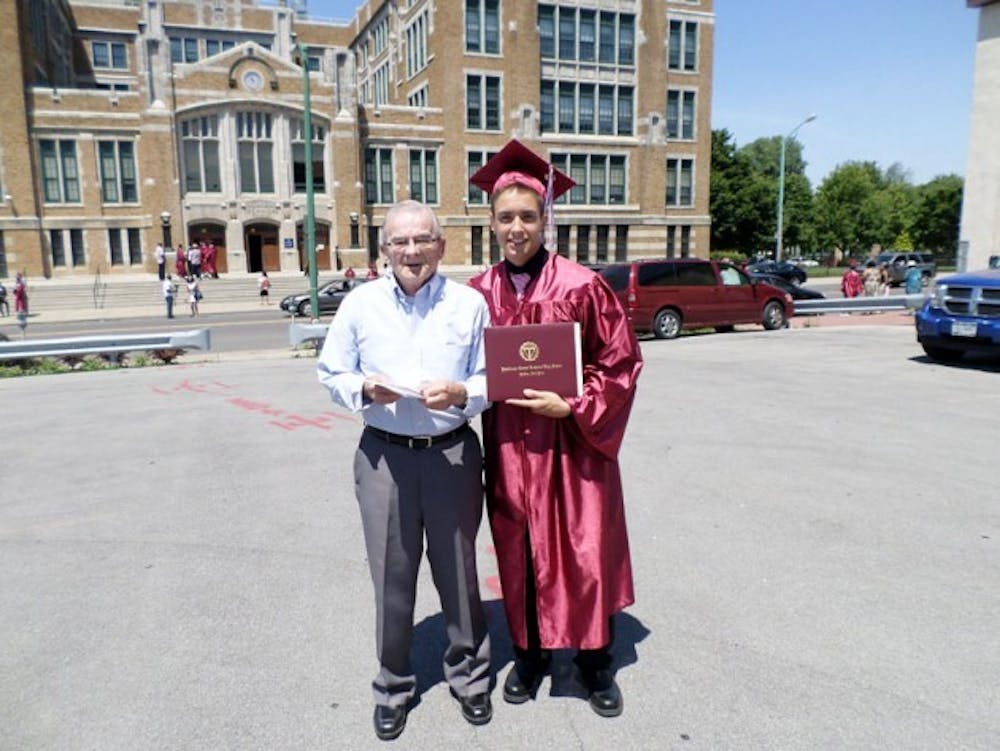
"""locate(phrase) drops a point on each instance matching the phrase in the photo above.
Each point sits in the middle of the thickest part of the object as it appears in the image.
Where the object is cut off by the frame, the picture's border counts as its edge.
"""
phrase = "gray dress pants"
(406, 496)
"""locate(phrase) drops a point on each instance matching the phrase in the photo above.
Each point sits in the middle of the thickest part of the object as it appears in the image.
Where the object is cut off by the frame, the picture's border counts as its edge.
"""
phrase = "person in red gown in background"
(180, 262)
(553, 485)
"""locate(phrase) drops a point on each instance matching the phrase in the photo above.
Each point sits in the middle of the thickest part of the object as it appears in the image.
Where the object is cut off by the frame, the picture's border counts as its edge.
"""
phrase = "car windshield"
(884, 257)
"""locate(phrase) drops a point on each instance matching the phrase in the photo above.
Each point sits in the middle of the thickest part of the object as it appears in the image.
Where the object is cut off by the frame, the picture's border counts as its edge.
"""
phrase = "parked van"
(666, 296)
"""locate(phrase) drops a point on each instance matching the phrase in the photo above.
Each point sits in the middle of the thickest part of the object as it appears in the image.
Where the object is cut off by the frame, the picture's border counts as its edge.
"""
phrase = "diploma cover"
(541, 356)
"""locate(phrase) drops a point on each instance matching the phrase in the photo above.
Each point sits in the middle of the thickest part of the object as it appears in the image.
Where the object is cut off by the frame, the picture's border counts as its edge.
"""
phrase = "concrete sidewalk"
(183, 566)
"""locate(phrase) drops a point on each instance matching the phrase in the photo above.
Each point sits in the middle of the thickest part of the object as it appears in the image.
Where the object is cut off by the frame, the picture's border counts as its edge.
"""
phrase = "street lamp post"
(781, 187)
(310, 240)
(165, 227)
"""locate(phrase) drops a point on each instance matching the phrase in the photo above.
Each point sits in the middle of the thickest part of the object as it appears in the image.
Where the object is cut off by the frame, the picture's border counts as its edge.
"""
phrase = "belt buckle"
(421, 441)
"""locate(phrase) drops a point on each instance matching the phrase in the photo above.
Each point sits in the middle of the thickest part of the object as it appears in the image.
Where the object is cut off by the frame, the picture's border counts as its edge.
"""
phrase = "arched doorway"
(323, 262)
(261, 242)
(211, 232)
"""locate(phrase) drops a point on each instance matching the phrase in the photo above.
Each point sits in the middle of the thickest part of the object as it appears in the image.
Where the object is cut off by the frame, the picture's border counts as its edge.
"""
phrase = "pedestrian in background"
(850, 282)
(180, 262)
(870, 279)
(4, 305)
(914, 279)
(169, 290)
(264, 285)
(161, 260)
(884, 279)
(194, 261)
(20, 294)
(194, 294)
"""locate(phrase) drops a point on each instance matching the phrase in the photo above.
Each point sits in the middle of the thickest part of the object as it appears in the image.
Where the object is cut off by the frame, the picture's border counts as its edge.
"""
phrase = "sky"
(889, 81)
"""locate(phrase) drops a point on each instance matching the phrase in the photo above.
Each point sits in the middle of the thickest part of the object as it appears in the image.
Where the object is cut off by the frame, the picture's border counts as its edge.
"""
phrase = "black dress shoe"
(477, 709)
(523, 681)
(389, 721)
(603, 693)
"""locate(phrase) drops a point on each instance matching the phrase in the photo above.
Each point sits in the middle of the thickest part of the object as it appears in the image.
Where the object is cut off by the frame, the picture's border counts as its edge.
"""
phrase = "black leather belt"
(416, 441)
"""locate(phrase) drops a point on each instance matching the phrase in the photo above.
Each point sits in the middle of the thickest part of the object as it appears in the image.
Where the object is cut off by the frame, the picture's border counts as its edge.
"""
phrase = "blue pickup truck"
(962, 316)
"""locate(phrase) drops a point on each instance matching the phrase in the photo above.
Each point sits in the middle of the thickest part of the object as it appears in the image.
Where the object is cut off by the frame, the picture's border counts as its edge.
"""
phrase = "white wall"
(981, 204)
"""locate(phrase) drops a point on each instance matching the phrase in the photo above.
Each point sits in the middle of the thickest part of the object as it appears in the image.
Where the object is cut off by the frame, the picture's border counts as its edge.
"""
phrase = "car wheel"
(940, 354)
(774, 316)
(303, 309)
(667, 324)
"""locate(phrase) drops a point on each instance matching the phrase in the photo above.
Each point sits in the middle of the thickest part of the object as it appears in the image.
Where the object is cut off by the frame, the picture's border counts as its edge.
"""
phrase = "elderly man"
(406, 352)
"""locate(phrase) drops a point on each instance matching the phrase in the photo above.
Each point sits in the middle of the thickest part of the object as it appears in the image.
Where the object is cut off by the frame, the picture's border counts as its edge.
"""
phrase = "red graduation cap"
(516, 164)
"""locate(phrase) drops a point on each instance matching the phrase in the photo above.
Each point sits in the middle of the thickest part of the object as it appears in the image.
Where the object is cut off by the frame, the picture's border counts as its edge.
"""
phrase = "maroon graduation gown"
(559, 479)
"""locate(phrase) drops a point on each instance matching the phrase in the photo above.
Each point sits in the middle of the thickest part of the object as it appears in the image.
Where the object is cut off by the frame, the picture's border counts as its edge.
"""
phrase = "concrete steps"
(139, 291)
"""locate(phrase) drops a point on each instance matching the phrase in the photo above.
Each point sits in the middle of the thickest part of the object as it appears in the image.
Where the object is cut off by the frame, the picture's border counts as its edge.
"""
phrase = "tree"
(744, 194)
(937, 215)
(847, 208)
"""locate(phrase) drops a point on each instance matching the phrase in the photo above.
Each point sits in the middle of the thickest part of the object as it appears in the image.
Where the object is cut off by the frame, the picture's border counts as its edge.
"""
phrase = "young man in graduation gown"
(553, 484)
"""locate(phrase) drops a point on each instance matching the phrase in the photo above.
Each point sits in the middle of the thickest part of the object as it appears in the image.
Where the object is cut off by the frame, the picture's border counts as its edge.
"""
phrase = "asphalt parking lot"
(813, 523)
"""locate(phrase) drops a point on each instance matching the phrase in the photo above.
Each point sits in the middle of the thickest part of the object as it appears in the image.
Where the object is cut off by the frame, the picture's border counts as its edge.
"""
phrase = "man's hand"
(545, 403)
(372, 390)
(443, 394)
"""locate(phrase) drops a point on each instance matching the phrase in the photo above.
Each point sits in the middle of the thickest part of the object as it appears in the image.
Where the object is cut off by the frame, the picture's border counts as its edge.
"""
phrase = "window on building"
(57, 248)
(378, 176)
(680, 180)
(76, 247)
(621, 242)
(115, 247)
(547, 31)
(298, 129)
(562, 240)
(475, 160)
(184, 49)
(586, 108)
(109, 55)
(606, 110)
(423, 175)
(125, 244)
(607, 38)
(680, 114)
(482, 102)
(588, 35)
(380, 84)
(686, 241)
(215, 46)
(567, 33)
(624, 111)
(626, 39)
(200, 147)
(60, 174)
(380, 35)
(416, 45)
(583, 243)
(599, 178)
(117, 166)
(255, 149)
(482, 26)
(134, 246)
(418, 98)
(494, 248)
(682, 46)
(476, 246)
(603, 232)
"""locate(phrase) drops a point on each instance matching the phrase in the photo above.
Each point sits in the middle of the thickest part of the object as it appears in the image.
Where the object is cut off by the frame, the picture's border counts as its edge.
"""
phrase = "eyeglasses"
(422, 242)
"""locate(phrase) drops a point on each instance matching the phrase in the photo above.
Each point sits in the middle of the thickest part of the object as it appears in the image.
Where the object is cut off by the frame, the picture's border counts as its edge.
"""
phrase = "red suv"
(665, 296)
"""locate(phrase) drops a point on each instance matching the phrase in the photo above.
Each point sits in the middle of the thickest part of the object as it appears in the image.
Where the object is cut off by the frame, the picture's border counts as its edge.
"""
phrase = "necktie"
(521, 282)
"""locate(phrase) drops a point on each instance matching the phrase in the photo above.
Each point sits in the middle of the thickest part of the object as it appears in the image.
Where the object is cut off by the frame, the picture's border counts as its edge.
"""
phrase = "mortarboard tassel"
(550, 223)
